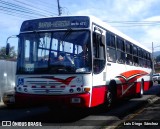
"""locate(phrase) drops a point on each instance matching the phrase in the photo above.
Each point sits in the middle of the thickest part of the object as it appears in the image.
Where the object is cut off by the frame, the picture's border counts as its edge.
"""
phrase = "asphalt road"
(145, 117)
(82, 119)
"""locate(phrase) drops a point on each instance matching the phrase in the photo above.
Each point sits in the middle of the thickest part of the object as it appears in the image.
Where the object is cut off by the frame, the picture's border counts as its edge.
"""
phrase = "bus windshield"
(54, 52)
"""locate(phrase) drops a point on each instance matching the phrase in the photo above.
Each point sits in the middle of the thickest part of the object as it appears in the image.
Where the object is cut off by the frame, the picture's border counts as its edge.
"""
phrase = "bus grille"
(46, 87)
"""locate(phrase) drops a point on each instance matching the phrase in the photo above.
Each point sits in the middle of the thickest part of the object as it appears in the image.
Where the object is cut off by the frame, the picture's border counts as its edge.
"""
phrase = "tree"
(12, 54)
(158, 58)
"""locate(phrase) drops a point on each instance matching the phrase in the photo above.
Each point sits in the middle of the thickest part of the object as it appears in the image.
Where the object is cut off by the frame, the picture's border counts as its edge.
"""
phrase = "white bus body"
(112, 65)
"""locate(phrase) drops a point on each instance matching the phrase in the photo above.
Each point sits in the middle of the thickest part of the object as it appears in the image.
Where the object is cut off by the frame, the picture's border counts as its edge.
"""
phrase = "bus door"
(98, 68)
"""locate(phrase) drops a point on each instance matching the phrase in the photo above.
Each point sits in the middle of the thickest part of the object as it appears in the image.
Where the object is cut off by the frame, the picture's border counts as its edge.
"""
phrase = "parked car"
(9, 98)
(156, 78)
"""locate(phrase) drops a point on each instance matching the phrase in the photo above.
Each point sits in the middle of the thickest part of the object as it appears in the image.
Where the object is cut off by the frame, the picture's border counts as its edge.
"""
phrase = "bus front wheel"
(111, 95)
(109, 100)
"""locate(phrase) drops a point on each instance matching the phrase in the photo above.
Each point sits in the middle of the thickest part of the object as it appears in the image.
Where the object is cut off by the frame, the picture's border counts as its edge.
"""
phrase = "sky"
(139, 19)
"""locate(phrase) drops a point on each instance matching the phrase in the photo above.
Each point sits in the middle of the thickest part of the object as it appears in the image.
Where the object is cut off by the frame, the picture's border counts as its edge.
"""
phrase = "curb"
(1, 104)
(139, 105)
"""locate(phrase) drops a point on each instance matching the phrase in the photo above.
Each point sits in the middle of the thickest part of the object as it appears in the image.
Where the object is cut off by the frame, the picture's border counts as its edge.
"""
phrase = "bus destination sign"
(55, 23)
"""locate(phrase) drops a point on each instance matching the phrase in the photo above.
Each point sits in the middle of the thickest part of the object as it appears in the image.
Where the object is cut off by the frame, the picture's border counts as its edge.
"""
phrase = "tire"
(111, 95)
(113, 90)
(109, 99)
(140, 94)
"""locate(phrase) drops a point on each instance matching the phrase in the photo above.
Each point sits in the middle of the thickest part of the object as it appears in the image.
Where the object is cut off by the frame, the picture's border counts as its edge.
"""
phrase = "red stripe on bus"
(43, 86)
(64, 81)
(33, 86)
(53, 86)
(133, 72)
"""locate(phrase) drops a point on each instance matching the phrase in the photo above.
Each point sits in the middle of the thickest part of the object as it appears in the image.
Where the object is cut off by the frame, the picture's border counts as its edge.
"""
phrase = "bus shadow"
(59, 116)
(87, 117)
(94, 116)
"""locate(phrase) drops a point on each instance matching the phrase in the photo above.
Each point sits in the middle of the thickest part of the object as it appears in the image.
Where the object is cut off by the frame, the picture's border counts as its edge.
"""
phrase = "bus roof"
(37, 23)
(117, 32)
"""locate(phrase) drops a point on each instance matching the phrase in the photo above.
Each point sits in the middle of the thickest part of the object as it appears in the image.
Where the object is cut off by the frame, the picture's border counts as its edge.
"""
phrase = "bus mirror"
(7, 49)
(98, 29)
(8, 44)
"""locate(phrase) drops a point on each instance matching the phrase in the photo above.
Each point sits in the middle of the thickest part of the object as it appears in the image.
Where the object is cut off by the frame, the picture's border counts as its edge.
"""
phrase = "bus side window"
(135, 55)
(111, 47)
(129, 54)
(120, 51)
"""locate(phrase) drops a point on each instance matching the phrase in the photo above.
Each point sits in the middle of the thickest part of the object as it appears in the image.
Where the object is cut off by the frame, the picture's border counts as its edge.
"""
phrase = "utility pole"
(153, 58)
(59, 9)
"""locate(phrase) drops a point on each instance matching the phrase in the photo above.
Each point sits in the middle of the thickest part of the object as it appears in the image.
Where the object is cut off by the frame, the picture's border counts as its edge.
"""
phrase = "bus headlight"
(71, 90)
(25, 90)
(78, 89)
(19, 88)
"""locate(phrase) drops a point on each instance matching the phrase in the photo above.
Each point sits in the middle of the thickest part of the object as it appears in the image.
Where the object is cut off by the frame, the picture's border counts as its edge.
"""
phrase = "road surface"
(81, 119)
(145, 117)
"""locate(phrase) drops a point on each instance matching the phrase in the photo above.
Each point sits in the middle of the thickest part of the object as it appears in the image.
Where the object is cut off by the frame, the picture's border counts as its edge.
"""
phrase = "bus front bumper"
(70, 100)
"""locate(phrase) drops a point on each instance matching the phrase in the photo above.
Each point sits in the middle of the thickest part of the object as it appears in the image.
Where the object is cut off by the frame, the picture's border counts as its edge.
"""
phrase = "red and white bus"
(79, 61)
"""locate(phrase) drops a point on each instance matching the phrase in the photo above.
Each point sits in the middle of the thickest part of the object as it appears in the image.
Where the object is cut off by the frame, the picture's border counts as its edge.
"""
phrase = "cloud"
(151, 32)
(126, 10)
(10, 24)
(116, 9)
(132, 8)
(106, 10)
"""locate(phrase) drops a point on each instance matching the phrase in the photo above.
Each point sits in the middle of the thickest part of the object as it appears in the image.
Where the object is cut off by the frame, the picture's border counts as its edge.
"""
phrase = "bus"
(78, 61)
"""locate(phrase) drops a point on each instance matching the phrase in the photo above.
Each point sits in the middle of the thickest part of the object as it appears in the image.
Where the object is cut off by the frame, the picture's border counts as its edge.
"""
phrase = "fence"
(7, 76)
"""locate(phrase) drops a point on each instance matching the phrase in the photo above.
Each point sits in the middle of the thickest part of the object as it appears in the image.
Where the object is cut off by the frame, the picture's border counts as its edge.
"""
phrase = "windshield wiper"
(67, 33)
(62, 68)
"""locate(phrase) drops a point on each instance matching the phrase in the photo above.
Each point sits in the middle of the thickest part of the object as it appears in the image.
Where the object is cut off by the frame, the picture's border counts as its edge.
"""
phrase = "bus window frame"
(120, 50)
(110, 37)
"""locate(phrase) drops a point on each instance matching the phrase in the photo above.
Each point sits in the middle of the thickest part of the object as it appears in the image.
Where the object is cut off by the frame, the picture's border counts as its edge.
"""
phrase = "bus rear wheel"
(140, 94)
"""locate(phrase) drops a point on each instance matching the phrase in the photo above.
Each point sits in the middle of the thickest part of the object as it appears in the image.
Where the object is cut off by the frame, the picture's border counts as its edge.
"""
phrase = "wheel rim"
(109, 99)
(141, 88)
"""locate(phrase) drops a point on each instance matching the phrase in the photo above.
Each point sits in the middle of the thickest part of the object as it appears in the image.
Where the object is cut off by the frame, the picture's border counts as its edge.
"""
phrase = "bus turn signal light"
(87, 89)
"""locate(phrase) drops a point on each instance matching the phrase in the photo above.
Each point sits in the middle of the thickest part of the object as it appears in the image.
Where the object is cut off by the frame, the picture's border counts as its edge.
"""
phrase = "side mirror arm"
(8, 44)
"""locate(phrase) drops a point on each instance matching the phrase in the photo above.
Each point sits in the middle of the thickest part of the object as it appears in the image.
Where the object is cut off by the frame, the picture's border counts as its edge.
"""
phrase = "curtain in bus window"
(140, 61)
(120, 44)
(129, 60)
(111, 54)
(110, 38)
(135, 60)
(120, 57)
(98, 65)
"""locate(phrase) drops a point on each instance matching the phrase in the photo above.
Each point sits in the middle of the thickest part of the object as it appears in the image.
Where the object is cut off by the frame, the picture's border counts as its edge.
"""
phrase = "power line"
(65, 10)
(18, 11)
(23, 9)
(133, 23)
(46, 3)
(16, 14)
(17, 8)
(36, 8)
